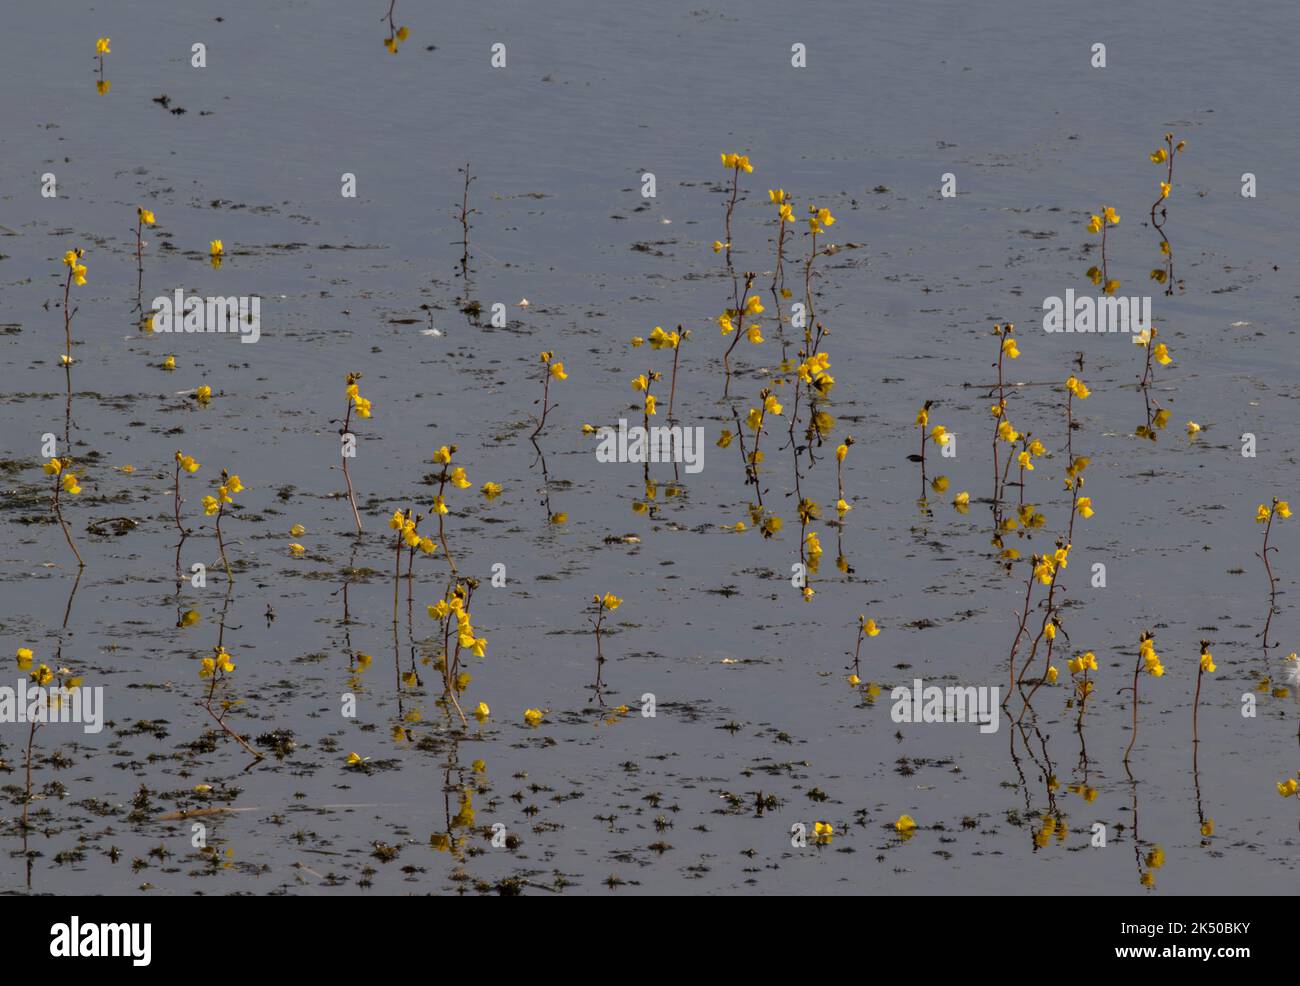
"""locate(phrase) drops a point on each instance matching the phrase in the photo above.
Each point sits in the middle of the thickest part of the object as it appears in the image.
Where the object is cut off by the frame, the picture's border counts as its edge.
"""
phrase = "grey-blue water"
(748, 678)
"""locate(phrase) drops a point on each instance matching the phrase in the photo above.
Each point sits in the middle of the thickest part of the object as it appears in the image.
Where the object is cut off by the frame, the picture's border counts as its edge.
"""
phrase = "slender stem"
(352, 498)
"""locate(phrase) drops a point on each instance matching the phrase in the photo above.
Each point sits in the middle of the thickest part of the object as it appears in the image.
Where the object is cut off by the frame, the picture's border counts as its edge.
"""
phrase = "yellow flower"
(905, 823)
(610, 601)
(532, 716)
(69, 483)
(1283, 509)
(640, 382)
(1025, 461)
(1262, 514)
(1076, 386)
(771, 405)
(216, 248)
(481, 712)
(1286, 789)
(1112, 217)
(1192, 427)
(823, 831)
(24, 658)
(754, 334)
(102, 48)
(1159, 156)
(354, 759)
(491, 491)
(1161, 354)
(458, 479)
(1084, 506)
(1052, 675)
(1009, 348)
(869, 627)
(203, 394)
(1207, 662)
(939, 435)
(146, 217)
(1094, 224)
(841, 451)
(557, 371)
(169, 363)
(962, 501)
(442, 456)
(650, 401)
(297, 549)
(1006, 432)
(1165, 188)
(724, 439)
(53, 467)
(1044, 570)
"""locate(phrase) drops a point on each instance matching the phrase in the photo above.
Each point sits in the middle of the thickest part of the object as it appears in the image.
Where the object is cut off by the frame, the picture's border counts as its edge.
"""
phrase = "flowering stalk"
(841, 453)
(551, 367)
(866, 628)
(60, 682)
(1148, 661)
(1165, 155)
(1204, 667)
(449, 474)
(143, 218)
(65, 481)
(189, 465)
(736, 163)
(603, 604)
(216, 670)
(1006, 350)
(215, 506)
(732, 320)
(1265, 515)
(819, 221)
(1100, 224)
(456, 606)
(76, 275)
(362, 407)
